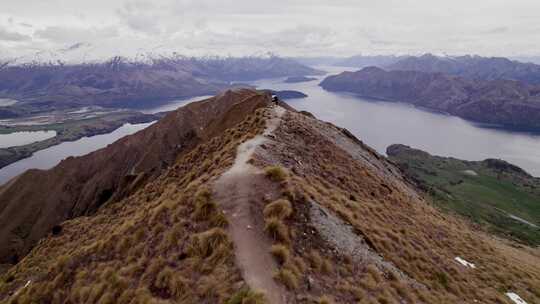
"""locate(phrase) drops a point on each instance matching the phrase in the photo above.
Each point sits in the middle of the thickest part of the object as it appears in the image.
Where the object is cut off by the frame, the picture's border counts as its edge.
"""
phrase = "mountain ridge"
(500, 102)
(339, 222)
(122, 83)
(471, 67)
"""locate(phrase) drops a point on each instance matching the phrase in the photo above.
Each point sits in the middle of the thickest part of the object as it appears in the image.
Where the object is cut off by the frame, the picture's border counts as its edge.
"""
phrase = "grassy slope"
(164, 244)
(487, 198)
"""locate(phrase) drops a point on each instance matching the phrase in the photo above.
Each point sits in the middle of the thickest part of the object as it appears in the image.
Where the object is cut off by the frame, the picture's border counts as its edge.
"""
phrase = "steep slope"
(502, 102)
(78, 186)
(492, 192)
(471, 67)
(339, 221)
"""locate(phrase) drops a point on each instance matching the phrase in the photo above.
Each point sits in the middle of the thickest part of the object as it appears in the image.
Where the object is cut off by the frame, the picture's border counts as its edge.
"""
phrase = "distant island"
(297, 79)
(491, 192)
(508, 103)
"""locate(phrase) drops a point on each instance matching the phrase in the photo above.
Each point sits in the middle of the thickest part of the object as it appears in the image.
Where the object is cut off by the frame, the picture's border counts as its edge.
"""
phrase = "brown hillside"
(37, 200)
(276, 203)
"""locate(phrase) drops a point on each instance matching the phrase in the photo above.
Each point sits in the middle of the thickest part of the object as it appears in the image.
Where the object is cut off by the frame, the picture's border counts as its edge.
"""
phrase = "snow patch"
(514, 297)
(464, 262)
(470, 172)
(517, 218)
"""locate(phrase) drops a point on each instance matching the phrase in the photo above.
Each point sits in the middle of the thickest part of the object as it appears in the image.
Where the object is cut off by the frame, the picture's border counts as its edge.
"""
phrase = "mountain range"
(504, 102)
(236, 199)
(471, 67)
(123, 83)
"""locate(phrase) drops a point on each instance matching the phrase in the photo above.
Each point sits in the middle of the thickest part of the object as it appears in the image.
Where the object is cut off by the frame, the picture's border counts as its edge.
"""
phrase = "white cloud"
(64, 34)
(287, 27)
(7, 35)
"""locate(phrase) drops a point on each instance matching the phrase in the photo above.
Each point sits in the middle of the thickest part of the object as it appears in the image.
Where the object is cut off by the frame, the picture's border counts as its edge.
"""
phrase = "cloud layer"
(291, 28)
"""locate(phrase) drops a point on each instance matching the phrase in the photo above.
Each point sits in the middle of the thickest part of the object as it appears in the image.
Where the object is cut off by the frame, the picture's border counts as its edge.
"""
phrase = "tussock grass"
(325, 300)
(276, 173)
(204, 206)
(277, 230)
(247, 296)
(211, 247)
(280, 209)
(287, 278)
(280, 253)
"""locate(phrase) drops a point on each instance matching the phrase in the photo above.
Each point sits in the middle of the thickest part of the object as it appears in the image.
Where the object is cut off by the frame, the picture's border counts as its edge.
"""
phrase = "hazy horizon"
(100, 29)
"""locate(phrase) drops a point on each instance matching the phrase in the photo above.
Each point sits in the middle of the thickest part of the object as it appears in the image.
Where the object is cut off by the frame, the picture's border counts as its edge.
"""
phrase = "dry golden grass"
(280, 209)
(247, 296)
(163, 244)
(276, 173)
(281, 253)
(287, 278)
(419, 240)
(277, 230)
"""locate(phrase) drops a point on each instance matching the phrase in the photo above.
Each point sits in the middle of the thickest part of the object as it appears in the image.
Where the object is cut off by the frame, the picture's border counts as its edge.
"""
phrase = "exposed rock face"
(471, 67)
(503, 102)
(261, 197)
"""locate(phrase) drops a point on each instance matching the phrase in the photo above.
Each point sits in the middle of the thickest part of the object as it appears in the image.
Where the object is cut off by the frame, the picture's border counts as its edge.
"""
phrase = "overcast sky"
(284, 27)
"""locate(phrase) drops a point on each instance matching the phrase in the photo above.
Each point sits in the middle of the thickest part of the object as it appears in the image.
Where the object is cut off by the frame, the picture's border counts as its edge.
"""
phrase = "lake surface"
(379, 124)
(4, 102)
(23, 138)
(48, 158)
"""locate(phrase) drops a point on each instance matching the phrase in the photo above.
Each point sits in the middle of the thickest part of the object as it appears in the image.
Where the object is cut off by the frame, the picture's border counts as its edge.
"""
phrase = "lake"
(379, 124)
(23, 138)
(48, 158)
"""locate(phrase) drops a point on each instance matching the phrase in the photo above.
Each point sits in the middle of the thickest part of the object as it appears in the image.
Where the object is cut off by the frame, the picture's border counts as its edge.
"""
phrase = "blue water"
(379, 124)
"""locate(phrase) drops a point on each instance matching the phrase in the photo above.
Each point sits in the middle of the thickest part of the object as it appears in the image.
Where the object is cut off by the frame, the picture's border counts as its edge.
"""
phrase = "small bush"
(204, 206)
(277, 230)
(219, 220)
(281, 253)
(287, 278)
(325, 300)
(213, 245)
(247, 296)
(276, 173)
(281, 209)
(442, 278)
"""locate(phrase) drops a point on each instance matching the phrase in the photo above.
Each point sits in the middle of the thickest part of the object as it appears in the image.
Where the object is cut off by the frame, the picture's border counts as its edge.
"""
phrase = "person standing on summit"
(275, 99)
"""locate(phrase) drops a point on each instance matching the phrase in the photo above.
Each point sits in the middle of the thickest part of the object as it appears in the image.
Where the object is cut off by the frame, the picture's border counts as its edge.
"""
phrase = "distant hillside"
(361, 61)
(123, 83)
(502, 102)
(471, 67)
(237, 200)
(491, 192)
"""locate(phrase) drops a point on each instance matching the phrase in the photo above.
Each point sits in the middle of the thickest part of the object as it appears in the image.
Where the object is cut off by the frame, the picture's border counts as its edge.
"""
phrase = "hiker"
(275, 99)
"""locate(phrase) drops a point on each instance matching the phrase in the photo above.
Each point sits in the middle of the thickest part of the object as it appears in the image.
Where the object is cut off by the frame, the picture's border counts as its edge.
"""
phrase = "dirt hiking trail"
(237, 191)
